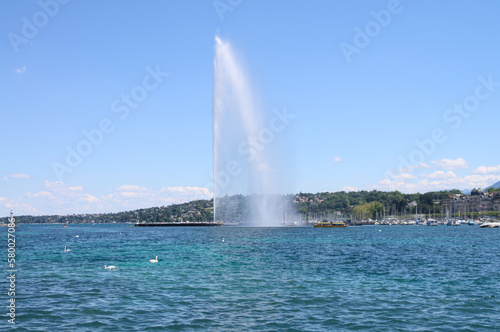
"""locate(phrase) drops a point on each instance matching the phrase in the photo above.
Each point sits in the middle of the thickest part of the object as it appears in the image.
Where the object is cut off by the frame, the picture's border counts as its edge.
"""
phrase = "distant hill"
(201, 210)
(495, 186)
(308, 204)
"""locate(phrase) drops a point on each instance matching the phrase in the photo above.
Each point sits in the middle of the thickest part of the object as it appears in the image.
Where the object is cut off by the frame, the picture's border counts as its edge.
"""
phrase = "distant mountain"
(496, 185)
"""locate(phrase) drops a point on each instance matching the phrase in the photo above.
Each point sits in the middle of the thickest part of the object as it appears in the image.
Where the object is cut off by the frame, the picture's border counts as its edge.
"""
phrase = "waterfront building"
(477, 201)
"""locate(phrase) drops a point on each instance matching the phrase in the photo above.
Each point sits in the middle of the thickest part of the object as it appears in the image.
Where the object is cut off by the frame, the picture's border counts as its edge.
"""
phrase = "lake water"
(373, 278)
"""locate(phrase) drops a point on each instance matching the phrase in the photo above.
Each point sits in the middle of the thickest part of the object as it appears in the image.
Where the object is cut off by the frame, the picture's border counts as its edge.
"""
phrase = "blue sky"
(388, 95)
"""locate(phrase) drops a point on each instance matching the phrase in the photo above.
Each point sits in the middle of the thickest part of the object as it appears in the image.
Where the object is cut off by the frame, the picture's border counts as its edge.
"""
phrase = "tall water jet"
(246, 184)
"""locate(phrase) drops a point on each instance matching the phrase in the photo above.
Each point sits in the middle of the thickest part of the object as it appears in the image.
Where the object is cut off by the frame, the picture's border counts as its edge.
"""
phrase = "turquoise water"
(378, 278)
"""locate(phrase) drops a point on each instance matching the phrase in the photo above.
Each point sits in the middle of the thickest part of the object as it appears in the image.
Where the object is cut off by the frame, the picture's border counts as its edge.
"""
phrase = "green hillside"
(323, 203)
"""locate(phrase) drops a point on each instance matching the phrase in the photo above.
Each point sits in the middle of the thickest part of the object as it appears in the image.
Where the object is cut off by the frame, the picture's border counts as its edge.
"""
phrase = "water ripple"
(259, 279)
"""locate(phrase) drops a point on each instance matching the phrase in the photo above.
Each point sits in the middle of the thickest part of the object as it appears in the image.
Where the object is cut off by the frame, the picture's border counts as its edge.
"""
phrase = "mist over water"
(247, 184)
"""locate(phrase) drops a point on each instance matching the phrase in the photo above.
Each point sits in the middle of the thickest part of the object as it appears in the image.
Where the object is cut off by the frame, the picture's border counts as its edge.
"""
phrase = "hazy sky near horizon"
(107, 105)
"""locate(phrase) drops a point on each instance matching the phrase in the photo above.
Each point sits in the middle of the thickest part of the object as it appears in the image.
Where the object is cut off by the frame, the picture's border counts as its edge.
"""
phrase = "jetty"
(178, 224)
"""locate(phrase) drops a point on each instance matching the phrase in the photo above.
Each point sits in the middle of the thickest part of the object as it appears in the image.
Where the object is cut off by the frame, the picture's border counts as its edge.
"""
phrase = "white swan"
(66, 250)
(154, 260)
(111, 267)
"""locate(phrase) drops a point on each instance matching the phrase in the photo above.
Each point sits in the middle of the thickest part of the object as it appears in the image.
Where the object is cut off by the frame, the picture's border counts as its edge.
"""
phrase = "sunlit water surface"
(378, 278)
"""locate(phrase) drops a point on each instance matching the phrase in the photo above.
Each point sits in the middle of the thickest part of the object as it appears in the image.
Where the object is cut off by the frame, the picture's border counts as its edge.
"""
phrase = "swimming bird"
(111, 267)
(154, 260)
(77, 236)
(66, 250)
(222, 239)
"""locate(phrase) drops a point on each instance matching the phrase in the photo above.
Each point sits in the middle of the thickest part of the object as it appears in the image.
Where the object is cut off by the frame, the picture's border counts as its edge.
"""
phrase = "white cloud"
(412, 167)
(487, 170)
(60, 198)
(177, 189)
(482, 177)
(130, 188)
(91, 199)
(440, 175)
(401, 176)
(348, 189)
(480, 181)
(55, 198)
(130, 194)
(190, 191)
(469, 181)
(54, 185)
(390, 185)
(16, 176)
(336, 159)
(21, 70)
(75, 188)
(404, 173)
(21, 208)
(39, 194)
(130, 197)
(450, 163)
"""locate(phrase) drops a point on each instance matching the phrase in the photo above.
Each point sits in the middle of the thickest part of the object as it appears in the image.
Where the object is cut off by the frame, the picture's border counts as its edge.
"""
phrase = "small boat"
(326, 223)
(431, 222)
(64, 225)
(490, 224)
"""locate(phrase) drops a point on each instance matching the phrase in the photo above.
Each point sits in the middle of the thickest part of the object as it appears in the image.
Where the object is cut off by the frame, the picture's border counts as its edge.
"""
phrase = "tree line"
(370, 203)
